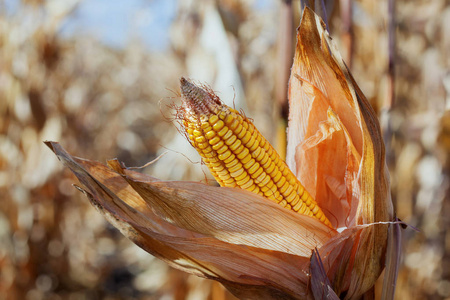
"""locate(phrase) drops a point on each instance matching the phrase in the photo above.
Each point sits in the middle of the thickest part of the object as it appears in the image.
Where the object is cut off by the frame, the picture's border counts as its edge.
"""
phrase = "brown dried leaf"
(335, 138)
(237, 264)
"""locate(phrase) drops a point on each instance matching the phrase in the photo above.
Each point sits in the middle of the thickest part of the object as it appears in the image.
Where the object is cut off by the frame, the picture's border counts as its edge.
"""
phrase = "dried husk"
(230, 235)
(335, 145)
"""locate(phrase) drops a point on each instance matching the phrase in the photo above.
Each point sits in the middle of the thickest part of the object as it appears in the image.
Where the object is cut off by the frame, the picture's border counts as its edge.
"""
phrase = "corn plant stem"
(391, 44)
(389, 102)
(347, 31)
(284, 56)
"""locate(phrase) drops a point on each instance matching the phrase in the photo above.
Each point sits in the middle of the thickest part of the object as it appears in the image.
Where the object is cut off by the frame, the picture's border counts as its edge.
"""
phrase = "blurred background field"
(98, 76)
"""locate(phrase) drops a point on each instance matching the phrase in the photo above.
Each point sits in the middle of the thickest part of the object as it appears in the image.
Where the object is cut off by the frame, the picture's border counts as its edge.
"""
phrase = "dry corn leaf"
(256, 248)
(320, 284)
(204, 237)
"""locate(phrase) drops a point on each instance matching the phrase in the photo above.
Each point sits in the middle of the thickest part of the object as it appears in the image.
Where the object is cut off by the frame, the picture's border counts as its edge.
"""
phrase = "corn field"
(102, 101)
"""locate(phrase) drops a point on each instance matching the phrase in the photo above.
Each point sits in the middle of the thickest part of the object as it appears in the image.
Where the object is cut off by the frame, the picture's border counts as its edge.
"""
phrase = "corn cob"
(237, 154)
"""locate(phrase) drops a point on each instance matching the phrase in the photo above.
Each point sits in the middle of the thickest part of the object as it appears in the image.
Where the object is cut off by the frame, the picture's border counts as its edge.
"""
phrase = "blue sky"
(116, 21)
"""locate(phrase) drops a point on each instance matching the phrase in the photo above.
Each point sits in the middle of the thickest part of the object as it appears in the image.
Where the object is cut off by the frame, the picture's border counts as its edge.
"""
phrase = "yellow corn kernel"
(237, 174)
(222, 115)
(230, 159)
(234, 125)
(202, 145)
(228, 135)
(253, 166)
(229, 118)
(219, 145)
(265, 181)
(245, 183)
(214, 164)
(270, 168)
(218, 125)
(210, 134)
(238, 129)
(230, 182)
(239, 149)
(294, 201)
(213, 119)
(246, 138)
(241, 134)
(257, 173)
(223, 131)
(291, 197)
(200, 139)
(232, 163)
(246, 159)
(253, 188)
(277, 176)
(243, 153)
(236, 167)
(281, 182)
(225, 155)
(235, 145)
(214, 140)
(230, 140)
(284, 187)
(222, 149)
